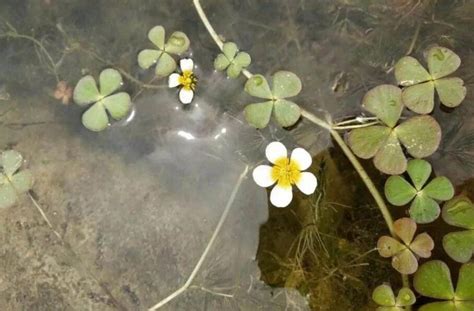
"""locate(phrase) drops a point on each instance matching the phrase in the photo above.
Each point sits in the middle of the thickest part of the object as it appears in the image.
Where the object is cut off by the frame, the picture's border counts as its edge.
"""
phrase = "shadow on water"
(137, 204)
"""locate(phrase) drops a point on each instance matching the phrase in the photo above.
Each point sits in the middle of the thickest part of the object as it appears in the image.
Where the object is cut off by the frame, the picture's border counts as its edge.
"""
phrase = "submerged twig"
(193, 274)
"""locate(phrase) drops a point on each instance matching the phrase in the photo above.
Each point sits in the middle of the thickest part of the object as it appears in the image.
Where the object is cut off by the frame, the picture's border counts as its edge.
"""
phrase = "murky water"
(136, 205)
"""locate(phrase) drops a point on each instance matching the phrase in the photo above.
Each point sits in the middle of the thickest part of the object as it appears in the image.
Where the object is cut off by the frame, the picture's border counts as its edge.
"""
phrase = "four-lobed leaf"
(177, 44)
(104, 102)
(406, 249)
(285, 84)
(433, 280)
(232, 60)
(459, 212)
(13, 182)
(383, 295)
(424, 207)
(420, 84)
(420, 135)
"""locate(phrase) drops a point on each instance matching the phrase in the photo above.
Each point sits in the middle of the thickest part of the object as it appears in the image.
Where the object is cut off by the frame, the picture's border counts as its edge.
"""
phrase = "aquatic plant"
(232, 60)
(383, 295)
(424, 196)
(285, 84)
(419, 135)
(285, 172)
(433, 280)
(418, 94)
(86, 93)
(13, 182)
(177, 44)
(459, 212)
(185, 80)
(405, 250)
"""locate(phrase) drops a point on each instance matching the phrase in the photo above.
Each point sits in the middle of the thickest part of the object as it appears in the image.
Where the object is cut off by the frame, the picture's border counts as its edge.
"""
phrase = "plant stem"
(193, 274)
(356, 126)
(339, 140)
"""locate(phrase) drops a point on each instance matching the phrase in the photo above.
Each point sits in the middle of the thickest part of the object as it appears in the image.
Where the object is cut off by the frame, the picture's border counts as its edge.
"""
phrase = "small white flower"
(285, 172)
(186, 81)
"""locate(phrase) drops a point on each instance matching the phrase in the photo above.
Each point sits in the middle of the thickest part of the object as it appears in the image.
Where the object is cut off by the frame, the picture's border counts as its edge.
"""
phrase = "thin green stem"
(356, 126)
(357, 120)
(339, 140)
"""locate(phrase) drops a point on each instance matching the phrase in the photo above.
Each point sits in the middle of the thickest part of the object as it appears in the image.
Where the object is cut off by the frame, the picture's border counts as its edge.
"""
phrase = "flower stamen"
(188, 80)
(286, 172)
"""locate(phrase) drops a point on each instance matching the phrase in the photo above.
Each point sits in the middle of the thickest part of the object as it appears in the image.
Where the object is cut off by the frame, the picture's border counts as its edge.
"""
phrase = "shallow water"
(135, 205)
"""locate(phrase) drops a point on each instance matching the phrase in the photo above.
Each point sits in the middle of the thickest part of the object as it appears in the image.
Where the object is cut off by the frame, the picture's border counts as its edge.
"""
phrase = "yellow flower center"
(188, 80)
(286, 172)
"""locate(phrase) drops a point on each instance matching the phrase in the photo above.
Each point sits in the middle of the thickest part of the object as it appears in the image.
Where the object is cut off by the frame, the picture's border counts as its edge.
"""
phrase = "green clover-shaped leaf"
(459, 212)
(405, 250)
(12, 182)
(383, 295)
(232, 60)
(433, 280)
(285, 84)
(118, 105)
(420, 135)
(418, 94)
(424, 208)
(177, 44)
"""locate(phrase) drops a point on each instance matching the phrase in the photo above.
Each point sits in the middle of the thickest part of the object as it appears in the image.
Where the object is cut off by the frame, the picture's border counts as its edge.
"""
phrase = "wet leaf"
(157, 36)
(408, 71)
(8, 196)
(390, 158)
(405, 262)
(148, 58)
(439, 306)
(22, 181)
(286, 112)
(433, 280)
(465, 285)
(165, 65)
(459, 212)
(10, 161)
(230, 49)
(451, 91)
(419, 172)
(385, 102)
(221, 62)
(440, 189)
(405, 297)
(421, 135)
(419, 98)
(405, 229)
(118, 105)
(86, 91)
(389, 247)
(424, 209)
(177, 43)
(110, 80)
(95, 118)
(383, 295)
(258, 115)
(398, 191)
(233, 71)
(243, 59)
(258, 86)
(365, 142)
(422, 245)
(442, 62)
(285, 84)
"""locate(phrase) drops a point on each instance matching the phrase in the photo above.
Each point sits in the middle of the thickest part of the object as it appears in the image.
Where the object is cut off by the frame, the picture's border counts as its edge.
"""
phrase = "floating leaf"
(118, 105)
(433, 280)
(232, 60)
(242, 59)
(177, 43)
(459, 212)
(148, 58)
(418, 94)
(421, 135)
(12, 182)
(404, 252)
(285, 84)
(383, 295)
(157, 36)
(221, 62)
(385, 102)
(165, 66)
(424, 208)
(366, 141)
(230, 49)
(390, 158)
(258, 115)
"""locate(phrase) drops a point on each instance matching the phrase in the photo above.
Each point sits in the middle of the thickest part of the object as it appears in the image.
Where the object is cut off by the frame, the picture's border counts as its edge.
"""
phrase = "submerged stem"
(332, 130)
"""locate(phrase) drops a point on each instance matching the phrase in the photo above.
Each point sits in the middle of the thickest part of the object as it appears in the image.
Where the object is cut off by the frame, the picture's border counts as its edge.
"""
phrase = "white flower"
(186, 81)
(285, 172)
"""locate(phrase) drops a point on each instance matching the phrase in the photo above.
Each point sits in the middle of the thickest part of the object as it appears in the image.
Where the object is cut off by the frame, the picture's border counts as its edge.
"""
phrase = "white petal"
(275, 150)
(173, 80)
(307, 183)
(302, 158)
(186, 96)
(262, 175)
(186, 64)
(281, 196)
